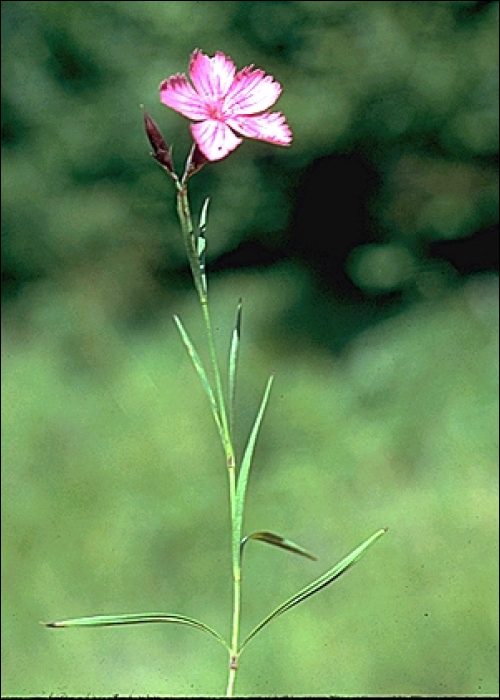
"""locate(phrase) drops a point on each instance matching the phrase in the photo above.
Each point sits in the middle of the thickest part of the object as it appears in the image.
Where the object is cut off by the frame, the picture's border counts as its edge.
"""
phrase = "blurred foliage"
(366, 255)
(394, 108)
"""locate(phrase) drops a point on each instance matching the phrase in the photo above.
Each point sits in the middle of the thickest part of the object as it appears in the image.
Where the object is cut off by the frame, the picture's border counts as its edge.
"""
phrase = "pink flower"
(223, 102)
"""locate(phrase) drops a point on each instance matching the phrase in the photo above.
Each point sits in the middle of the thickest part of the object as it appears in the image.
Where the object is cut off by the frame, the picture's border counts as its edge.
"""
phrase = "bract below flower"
(224, 103)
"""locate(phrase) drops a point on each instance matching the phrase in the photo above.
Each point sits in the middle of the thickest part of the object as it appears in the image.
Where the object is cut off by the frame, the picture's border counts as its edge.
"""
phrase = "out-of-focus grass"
(114, 500)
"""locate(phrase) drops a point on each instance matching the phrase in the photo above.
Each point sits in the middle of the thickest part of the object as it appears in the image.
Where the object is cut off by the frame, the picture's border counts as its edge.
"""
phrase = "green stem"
(231, 465)
(235, 632)
(185, 219)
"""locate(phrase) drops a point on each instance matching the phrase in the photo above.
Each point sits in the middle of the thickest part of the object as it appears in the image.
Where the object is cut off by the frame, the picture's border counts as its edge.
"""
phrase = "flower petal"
(251, 92)
(214, 139)
(212, 77)
(270, 127)
(177, 93)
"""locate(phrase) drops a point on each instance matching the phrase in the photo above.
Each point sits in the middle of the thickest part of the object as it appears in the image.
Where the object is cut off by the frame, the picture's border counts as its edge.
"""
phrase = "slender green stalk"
(198, 274)
(198, 278)
(186, 222)
(235, 633)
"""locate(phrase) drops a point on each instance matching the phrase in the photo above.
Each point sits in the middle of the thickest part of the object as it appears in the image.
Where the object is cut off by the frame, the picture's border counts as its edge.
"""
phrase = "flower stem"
(186, 222)
(190, 241)
(233, 654)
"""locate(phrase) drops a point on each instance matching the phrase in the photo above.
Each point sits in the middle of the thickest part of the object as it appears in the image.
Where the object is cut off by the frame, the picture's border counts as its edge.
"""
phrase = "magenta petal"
(177, 93)
(214, 139)
(265, 127)
(251, 93)
(223, 102)
(212, 77)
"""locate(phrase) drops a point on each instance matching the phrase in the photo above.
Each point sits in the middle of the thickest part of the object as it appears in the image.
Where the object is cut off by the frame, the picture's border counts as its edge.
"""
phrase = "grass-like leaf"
(200, 369)
(244, 472)
(233, 364)
(135, 619)
(316, 585)
(201, 243)
(277, 541)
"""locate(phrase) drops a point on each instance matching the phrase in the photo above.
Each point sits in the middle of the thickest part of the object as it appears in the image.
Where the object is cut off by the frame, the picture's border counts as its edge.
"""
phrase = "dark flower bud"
(161, 152)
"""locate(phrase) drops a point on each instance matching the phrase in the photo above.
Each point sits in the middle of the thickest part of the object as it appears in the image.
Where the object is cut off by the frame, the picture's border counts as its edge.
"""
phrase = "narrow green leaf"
(203, 214)
(201, 243)
(233, 364)
(277, 541)
(246, 463)
(316, 585)
(198, 365)
(135, 619)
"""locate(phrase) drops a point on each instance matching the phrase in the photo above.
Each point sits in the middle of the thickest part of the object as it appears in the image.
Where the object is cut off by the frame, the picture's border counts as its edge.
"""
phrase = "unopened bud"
(161, 152)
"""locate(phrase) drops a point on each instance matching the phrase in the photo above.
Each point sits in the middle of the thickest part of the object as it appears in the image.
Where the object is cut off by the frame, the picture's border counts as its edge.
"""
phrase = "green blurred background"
(367, 258)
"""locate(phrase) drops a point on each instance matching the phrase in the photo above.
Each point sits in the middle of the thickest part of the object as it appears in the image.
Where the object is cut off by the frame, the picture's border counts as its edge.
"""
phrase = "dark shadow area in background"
(331, 216)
